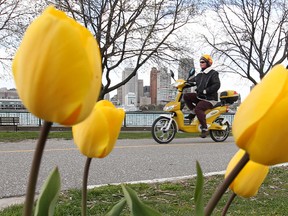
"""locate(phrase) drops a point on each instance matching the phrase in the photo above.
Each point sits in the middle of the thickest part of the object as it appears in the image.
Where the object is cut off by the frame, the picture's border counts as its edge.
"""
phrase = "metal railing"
(132, 118)
(146, 119)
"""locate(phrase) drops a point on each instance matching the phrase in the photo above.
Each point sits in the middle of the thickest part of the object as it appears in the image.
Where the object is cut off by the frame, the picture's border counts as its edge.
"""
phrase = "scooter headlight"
(168, 108)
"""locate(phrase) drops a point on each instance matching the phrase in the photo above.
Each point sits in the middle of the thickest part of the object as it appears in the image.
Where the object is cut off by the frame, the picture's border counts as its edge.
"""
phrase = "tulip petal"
(57, 69)
(258, 103)
(248, 182)
(114, 117)
(96, 136)
(84, 134)
(269, 143)
(249, 179)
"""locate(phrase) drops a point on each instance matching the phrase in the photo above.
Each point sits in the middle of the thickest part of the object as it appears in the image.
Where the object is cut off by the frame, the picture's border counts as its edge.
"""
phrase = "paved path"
(131, 160)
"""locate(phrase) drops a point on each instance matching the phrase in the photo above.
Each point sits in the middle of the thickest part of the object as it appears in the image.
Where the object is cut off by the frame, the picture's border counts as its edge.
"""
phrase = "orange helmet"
(207, 59)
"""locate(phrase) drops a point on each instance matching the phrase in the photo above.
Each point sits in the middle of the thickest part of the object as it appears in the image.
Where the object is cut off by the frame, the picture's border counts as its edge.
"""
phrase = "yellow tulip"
(57, 69)
(260, 124)
(96, 136)
(249, 179)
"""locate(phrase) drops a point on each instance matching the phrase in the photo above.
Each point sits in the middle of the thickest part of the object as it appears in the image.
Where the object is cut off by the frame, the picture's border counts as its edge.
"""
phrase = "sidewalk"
(6, 202)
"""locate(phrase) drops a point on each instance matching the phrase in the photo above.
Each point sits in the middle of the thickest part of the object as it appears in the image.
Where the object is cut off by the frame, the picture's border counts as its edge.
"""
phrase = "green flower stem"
(84, 189)
(30, 193)
(225, 209)
(225, 184)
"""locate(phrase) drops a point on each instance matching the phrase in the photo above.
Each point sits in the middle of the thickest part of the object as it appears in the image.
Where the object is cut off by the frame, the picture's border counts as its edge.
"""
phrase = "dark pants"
(200, 107)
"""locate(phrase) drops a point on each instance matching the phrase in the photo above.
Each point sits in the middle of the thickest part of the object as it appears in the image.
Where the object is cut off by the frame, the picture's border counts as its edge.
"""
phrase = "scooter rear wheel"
(158, 133)
(220, 135)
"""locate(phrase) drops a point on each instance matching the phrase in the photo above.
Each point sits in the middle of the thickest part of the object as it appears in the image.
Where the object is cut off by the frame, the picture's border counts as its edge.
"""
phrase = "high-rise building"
(130, 87)
(146, 91)
(185, 66)
(153, 85)
(163, 86)
(140, 91)
(119, 95)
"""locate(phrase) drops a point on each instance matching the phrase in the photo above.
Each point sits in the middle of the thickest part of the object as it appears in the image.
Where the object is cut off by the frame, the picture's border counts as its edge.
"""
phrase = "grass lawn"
(173, 199)
(22, 135)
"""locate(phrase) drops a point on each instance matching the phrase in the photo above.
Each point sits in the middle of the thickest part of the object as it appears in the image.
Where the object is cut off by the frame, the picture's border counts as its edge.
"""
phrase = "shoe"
(204, 133)
(190, 116)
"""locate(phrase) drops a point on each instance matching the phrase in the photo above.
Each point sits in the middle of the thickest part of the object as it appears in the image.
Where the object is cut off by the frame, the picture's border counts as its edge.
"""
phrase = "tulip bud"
(97, 135)
(249, 179)
(260, 124)
(57, 69)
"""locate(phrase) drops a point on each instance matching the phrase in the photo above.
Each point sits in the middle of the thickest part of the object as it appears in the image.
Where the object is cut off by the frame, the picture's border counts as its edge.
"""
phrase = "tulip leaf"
(136, 206)
(117, 208)
(49, 194)
(198, 195)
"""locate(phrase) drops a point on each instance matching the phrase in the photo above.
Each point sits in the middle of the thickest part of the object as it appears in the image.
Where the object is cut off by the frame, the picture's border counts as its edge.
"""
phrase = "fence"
(132, 119)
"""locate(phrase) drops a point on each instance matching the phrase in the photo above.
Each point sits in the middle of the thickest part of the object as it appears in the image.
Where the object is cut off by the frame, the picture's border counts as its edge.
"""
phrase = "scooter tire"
(220, 135)
(161, 136)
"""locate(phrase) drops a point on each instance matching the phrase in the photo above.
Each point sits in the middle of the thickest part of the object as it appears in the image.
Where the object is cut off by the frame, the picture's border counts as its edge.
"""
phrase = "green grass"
(23, 135)
(173, 199)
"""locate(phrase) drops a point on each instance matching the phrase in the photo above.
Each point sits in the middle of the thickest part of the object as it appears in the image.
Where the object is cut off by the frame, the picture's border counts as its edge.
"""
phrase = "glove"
(191, 84)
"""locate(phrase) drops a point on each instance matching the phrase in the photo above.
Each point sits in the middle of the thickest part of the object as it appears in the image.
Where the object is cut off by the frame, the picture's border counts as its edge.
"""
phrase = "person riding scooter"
(207, 84)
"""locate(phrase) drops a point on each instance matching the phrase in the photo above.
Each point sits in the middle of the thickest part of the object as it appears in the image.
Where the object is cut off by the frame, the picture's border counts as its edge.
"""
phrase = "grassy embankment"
(22, 135)
(176, 199)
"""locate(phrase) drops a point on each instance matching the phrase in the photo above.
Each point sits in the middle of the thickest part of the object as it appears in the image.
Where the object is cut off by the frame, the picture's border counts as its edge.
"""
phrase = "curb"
(6, 202)
(9, 201)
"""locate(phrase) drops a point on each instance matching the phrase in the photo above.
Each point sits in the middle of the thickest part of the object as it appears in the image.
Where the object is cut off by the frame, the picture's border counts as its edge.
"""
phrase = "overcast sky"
(228, 81)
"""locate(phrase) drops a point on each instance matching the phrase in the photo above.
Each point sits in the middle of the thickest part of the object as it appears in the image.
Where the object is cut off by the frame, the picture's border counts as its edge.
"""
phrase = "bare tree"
(15, 16)
(132, 32)
(253, 35)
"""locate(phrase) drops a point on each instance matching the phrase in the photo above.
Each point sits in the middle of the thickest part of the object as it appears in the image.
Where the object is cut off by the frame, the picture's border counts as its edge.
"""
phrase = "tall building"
(146, 91)
(163, 86)
(119, 95)
(153, 85)
(140, 91)
(130, 87)
(185, 66)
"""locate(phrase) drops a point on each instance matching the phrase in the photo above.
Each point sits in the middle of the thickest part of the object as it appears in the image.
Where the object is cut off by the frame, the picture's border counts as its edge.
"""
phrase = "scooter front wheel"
(220, 135)
(161, 133)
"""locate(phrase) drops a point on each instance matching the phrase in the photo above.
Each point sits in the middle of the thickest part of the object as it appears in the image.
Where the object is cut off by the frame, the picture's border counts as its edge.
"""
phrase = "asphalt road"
(131, 160)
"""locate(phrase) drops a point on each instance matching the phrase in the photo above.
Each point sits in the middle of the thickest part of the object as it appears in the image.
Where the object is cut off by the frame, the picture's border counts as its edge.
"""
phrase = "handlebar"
(190, 84)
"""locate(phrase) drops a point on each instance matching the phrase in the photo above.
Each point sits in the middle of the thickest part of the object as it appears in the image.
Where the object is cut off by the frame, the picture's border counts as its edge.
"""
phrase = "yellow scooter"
(166, 126)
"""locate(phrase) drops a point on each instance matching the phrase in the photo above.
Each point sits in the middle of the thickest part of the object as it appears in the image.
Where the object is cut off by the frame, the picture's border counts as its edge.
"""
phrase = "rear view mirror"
(191, 73)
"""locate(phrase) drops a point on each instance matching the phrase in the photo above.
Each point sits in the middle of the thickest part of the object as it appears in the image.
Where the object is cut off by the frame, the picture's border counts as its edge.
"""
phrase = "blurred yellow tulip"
(97, 135)
(57, 69)
(260, 124)
(250, 178)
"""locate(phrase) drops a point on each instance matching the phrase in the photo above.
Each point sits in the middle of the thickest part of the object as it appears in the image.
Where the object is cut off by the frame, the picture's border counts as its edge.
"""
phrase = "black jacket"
(209, 81)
